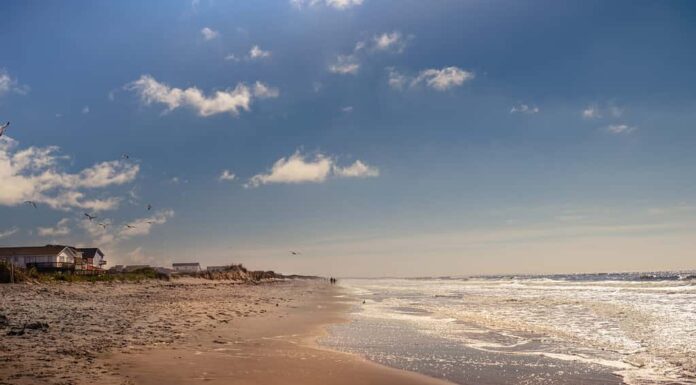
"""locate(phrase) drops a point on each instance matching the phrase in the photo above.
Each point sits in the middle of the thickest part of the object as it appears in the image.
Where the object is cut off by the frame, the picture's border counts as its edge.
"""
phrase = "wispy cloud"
(620, 129)
(7, 233)
(437, 79)
(595, 111)
(9, 84)
(337, 4)
(524, 109)
(299, 168)
(227, 175)
(231, 101)
(85, 110)
(34, 174)
(209, 34)
(345, 65)
(61, 228)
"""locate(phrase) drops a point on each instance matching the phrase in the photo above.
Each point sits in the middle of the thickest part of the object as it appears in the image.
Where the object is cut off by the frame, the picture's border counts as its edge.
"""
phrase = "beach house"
(93, 258)
(42, 258)
(54, 258)
(187, 267)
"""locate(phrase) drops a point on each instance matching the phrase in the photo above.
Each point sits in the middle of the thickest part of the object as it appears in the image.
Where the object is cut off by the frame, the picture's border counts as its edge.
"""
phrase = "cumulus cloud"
(443, 79)
(209, 34)
(356, 170)
(344, 65)
(9, 84)
(226, 176)
(619, 129)
(392, 41)
(437, 79)
(257, 53)
(9, 232)
(299, 168)
(337, 4)
(61, 228)
(34, 174)
(524, 109)
(231, 101)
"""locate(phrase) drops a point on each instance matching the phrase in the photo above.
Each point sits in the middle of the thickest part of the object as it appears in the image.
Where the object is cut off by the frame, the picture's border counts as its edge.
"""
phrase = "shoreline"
(265, 351)
(180, 332)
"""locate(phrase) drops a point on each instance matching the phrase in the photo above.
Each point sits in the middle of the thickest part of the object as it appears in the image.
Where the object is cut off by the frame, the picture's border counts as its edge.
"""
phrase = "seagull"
(3, 127)
(32, 203)
(103, 225)
(129, 226)
(91, 217)
(149, 222)
(149, 207)
(125, 156)
(295, 252)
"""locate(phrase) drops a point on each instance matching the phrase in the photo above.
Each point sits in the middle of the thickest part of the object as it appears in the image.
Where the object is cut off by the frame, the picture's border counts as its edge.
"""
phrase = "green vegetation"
(22, 275)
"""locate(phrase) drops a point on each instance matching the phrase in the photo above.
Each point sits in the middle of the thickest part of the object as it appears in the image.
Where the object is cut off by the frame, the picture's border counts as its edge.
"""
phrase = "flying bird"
(3, 127)
(103, 225)
(125, 156)
(32, 203)
(149, 222)
(129, 226)
(91, 217)
(295, 252)
(149, 207)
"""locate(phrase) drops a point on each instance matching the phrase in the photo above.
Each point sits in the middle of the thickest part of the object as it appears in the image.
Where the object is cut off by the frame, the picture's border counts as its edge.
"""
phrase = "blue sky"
(375, 137)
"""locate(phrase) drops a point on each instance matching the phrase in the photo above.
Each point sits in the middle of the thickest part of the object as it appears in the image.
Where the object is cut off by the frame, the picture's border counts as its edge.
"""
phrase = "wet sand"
(178, 332)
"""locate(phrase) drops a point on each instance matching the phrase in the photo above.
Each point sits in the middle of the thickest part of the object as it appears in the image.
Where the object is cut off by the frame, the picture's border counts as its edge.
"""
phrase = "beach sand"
(179, 332)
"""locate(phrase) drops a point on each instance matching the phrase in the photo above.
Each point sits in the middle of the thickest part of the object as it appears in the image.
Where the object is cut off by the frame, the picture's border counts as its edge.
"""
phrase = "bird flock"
(91, 217)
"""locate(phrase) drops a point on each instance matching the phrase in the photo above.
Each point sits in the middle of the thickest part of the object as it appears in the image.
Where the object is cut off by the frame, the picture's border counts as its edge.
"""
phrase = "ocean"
(634, 328)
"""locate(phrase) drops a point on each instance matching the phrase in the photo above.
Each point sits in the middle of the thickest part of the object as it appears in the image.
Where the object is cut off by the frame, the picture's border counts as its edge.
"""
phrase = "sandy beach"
(178, 332)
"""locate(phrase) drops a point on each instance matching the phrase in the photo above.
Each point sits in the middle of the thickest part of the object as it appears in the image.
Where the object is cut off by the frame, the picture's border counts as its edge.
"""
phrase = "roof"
(90, 252)
(186, 264)
(32, 250)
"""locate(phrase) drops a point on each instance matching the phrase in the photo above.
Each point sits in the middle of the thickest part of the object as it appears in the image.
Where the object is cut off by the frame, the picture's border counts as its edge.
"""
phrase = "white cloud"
(7, 233)
(345, 64)
(594, 111)
(620, 129)
(34, 174)
(356, 170)
(8, 84)
(229, 100)
(232, 57)
(347, 109)
(257, 53)
(263, 91)
(299, 169)
(143, 226)
(85, 110)
(591, 112)
(209, 34)
(337, 4)
(438, 79)
(524, 109)
(443, 79)
(226, 176)
(396, 79)
(61, 228)
(392, 41)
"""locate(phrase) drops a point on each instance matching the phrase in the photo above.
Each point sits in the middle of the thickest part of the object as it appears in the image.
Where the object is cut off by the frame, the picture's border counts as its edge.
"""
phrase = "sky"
(373, 138)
